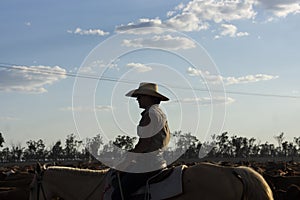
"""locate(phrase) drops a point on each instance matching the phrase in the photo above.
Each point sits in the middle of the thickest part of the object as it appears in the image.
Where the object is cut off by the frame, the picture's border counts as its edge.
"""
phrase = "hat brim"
(135, 93)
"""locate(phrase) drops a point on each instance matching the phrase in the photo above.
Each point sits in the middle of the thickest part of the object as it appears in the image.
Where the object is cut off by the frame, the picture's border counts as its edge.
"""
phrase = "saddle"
(165, 184)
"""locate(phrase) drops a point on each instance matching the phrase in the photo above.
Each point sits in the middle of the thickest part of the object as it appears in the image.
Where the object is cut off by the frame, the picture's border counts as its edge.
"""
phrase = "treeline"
(222, 145)
(226, 146)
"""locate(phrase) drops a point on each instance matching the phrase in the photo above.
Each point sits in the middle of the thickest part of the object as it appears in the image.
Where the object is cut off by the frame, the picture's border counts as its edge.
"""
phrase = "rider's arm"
(142, 146)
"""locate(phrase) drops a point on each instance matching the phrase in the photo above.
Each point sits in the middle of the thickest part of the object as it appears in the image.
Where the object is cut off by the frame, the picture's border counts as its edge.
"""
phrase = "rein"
(40, 186)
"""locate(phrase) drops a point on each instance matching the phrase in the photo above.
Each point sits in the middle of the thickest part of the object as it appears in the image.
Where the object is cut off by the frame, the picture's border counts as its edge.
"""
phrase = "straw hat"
(150, 89)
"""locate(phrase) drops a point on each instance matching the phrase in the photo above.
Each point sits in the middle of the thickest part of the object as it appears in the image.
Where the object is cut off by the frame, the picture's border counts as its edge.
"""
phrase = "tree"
(188, 143)
(30, 151)
(297, 141)
(1, 140)
(16, 152)
(280, 139)
(267, 149)
(41, 152)
(93, 145)
(4, 155)
(71, 146)
(124, 142)
(56, 151)
(223, 144)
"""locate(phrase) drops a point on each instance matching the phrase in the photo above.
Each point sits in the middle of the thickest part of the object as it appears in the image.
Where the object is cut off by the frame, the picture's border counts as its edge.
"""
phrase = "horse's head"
(36, 184)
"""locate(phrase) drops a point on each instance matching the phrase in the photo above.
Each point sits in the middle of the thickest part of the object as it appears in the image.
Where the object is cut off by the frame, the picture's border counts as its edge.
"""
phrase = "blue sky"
(254, 44)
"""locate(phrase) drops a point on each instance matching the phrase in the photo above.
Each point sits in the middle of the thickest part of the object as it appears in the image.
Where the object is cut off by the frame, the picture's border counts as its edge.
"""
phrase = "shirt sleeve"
(157, 122)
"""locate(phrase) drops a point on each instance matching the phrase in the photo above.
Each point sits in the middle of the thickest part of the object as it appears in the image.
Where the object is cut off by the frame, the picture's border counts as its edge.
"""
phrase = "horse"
(203, 181)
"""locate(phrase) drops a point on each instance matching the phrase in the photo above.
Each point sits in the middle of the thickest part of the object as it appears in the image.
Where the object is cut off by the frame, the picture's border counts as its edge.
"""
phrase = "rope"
(120, 186)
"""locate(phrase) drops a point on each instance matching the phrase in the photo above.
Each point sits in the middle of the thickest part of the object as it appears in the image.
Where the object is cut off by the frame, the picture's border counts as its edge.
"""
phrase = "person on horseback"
(154, 135)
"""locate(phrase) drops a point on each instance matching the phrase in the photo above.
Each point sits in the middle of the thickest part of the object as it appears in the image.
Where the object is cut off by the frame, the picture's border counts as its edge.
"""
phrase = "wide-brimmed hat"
(150, 89)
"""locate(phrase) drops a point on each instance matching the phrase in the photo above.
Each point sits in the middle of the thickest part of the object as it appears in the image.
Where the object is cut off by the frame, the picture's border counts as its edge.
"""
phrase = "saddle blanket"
(168, 187)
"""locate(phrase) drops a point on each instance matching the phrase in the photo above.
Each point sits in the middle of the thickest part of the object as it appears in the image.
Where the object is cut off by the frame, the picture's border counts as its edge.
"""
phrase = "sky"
(226, 65)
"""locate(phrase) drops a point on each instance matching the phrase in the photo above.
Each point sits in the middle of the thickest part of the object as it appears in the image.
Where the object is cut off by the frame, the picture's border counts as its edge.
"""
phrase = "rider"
(154, 135)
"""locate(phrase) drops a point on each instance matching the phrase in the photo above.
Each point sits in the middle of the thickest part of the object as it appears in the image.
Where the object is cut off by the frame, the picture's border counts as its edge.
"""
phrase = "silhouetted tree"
(267, 149)
(297, 141)
(56, 152)
(223, 143)
(30, 151)
(16, 152)
(71, 147)
(93, 145)
(188, 143)
(1, 140)
(4, 155)
(280, 139)
(124, 142)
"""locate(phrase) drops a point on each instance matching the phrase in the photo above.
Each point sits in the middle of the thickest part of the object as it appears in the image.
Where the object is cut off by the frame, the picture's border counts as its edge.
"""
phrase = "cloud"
(96, 66)
(218, 79)
(30, 79)
(208, 100)
(207, 76)
(164, 41)
(186, 22)
(80, 31)
(103, 108)
(197, 15)
(177, 8)
(152, 25)
(280, 8)
(248, 79)
(139, 67)
(27, 23)
(7, 118)
(219, 11)
(231, 31)
(87, 109)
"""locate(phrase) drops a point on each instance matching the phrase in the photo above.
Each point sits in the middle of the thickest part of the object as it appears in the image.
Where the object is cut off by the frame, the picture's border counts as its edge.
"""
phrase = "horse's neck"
(69, 183)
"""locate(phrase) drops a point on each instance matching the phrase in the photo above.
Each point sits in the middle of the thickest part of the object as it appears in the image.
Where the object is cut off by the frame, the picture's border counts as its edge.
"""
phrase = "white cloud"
(208, 100)
(199, 15)
(87, 109)
(96, 66)
(139, 67)
(280, 8)
(231, 31)
(30, 79)
(219, 11)
(89, 32)
(151, 25)
(7, 118)
(103, 108)
(207, 76)
(186, 22)
(27, 23)
(217, 79)
(164, 41)
(248, 79)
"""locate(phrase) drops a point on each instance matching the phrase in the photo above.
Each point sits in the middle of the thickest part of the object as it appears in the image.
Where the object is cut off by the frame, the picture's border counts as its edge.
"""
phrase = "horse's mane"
(76, 171)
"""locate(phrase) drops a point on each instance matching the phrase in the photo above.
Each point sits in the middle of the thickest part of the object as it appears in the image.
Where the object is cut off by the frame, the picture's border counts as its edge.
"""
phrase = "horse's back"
(211, 182)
